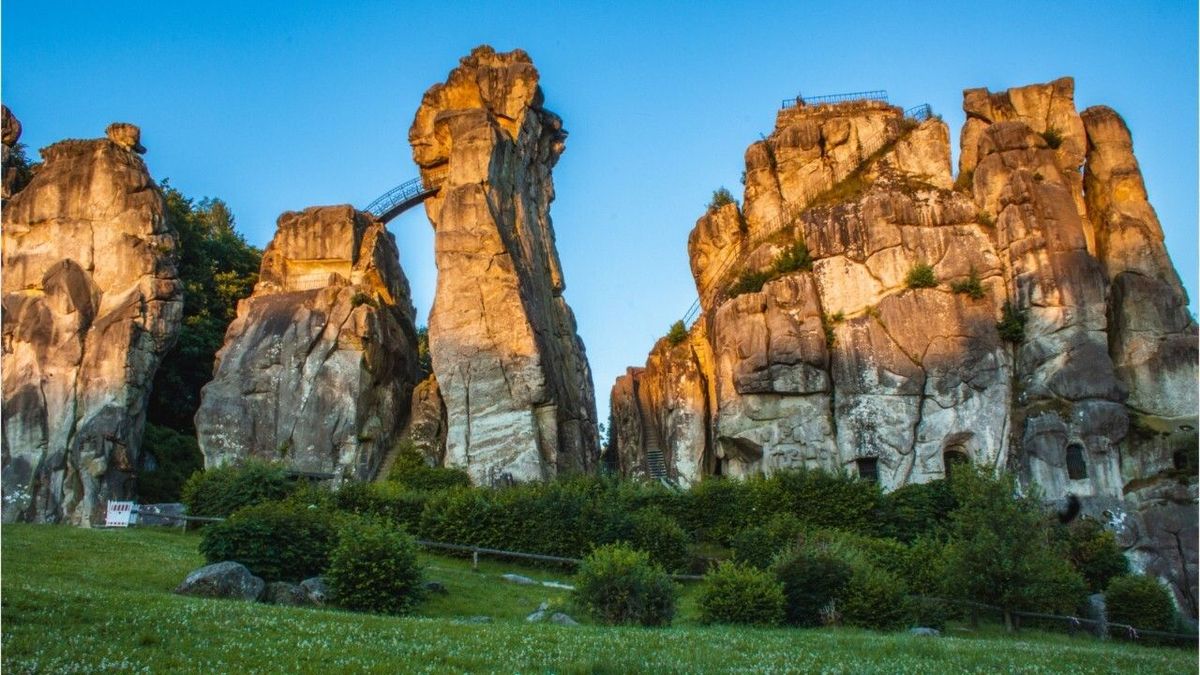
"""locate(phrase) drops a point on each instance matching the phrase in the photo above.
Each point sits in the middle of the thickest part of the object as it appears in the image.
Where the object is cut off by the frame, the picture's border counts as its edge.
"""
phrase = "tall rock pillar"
(509, 365)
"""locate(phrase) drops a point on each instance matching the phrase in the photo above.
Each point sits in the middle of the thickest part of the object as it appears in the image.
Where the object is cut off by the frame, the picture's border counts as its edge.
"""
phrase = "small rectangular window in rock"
(868, 468)
(1076, 465)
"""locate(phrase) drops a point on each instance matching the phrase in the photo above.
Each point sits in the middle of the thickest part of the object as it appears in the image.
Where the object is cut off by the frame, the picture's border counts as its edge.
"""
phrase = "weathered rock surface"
(318, 367)
(285, 593)
(510, 368)
(828, 356)
(91, 304)
(222, 580)
(12, 176)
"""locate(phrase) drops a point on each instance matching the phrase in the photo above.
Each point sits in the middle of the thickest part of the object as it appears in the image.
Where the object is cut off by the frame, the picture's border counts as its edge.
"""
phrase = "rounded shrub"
(374, 568)
(736, 593)
(411, 471)
(873, 598)
(388, 501)
(660, 536)
(221, 491)
(619, 585)
(758, 545)
(277, 541)
(1095, 553)
(1141, 602)
(811, 580)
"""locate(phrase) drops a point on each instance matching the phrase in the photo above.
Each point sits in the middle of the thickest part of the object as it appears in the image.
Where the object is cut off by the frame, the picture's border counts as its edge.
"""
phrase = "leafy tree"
(217, 268)
(175, 457)
(423, 356)
(1002, 550)
(720, 197)
(921, 276)
(677, 334)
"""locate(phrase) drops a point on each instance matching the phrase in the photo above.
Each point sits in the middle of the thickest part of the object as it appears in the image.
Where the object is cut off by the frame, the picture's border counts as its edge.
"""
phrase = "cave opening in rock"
(1076, 464)
(868, 468)
(955, 455)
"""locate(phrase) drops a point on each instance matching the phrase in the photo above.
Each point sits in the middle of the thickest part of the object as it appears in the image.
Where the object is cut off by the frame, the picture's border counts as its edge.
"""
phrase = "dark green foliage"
(388, 501)
(677, 334)
(971, 286)
(362, 298)
(221, 491)
(1002, 551)
(657, 534)
(175, 456)
(741, 594)
(1141, 602)
(277, 541)
(18, 166)
(794, 258)
(873, 598)
(374, 569)
(619, 585)
(811, 580)
(424, 359)
(1054, 138)
(721, 197)
(1094, 553)
(217, 268)
(1012, 324)
(921, 276)
(757, 545)
(749, 281)
(916, 510)
(965, 181)
(984, 218)
(411, 471)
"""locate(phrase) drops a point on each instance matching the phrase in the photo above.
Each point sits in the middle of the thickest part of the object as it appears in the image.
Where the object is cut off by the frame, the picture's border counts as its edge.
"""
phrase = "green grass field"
(94, 600)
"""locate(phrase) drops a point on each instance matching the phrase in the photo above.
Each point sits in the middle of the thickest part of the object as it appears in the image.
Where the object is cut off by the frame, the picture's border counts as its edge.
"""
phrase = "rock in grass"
(518, 579)
(222, 580)
(539, 614)
(477, 619)
(316, 590)
(285, 593)
(562, 619)
(435, 587)
(925, 632)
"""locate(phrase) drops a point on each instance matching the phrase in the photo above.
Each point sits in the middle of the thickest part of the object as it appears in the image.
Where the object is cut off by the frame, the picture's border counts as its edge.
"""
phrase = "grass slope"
(90, 600)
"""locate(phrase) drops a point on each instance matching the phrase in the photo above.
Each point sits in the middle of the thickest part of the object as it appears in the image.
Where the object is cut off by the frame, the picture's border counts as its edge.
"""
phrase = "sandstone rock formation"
(317, 368)
(12, 174)
(509, 367)
(853, 307)
(91, 304)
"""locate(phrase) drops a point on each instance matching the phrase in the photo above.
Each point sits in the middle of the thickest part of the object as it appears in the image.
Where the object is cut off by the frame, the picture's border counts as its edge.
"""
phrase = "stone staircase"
(656, 463)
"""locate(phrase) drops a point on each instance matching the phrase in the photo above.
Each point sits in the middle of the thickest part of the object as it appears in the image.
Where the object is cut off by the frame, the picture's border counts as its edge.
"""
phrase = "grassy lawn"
(91, 600)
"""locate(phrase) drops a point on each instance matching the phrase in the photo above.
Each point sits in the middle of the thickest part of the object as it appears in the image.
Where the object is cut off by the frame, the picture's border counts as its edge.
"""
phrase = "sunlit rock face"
(317, 369)
(848, 362)
(92, 302)
(510, 369)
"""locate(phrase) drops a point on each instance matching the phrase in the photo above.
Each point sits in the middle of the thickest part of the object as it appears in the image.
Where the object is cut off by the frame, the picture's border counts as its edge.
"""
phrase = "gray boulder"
(436, 587)
(285, 593)
(316, 591)
(222, 580)
(1095, 610)
(562, 619)
(539, 614)
(925, 632)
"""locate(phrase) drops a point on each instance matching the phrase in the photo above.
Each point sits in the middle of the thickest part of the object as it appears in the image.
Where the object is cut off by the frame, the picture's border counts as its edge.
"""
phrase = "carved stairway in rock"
(405, 196)
(656, 463)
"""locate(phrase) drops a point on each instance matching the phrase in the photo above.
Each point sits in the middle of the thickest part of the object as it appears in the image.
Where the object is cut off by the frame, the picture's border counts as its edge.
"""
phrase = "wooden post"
(475, 560)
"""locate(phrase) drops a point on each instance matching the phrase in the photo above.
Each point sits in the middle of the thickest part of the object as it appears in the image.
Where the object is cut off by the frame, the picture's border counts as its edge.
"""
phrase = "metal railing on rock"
(405, 196)
(825, 99)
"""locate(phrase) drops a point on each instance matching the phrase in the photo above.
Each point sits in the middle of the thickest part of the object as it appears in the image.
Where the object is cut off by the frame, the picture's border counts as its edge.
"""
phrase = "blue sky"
(279, 106)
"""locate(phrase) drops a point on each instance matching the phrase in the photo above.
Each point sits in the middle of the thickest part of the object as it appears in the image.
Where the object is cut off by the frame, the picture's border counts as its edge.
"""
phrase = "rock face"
(92, 302)
(853, 306)
(509, 367)
(318, 367)
(12, 177)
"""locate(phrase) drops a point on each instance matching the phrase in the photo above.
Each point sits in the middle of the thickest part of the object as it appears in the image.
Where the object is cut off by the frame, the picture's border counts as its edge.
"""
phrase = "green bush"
(749, 281)
(411, 471)
(1094, 553)
(389, 501)
(921, 276)
(361, 298)
(972, 286)
(741, 594)
(619, 585)
(661, 537)
(1012, 324)
(794, 258)
(1053, 137)
(677, 334)
(873, 598)
(374, 569)
(1141, 602)
(221, 491)
(811, 579)
(758, 545)
(984, 218)
(176, 457)
(721, 197)
(916, 510)
(276, 541)
(823, 500)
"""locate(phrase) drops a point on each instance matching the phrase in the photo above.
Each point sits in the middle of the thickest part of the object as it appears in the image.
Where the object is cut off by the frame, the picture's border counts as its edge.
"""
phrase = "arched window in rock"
(955, 455)
(868, 468)
(1076, 464)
